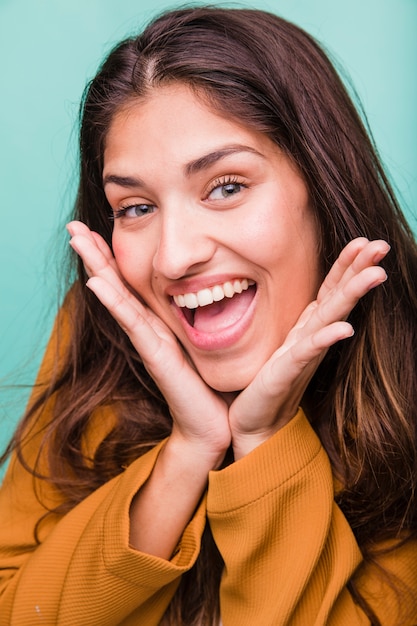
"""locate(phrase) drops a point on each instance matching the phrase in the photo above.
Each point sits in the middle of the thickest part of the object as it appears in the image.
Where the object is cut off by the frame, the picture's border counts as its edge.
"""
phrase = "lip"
(223, 339)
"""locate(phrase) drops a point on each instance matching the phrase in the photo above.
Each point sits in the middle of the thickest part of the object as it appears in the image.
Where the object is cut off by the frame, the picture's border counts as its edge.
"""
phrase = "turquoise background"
(50, 48)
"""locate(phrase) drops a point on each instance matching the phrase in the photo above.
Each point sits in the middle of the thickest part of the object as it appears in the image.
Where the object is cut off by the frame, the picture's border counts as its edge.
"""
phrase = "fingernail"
(73, 245)
(380, 255)
(380, 281)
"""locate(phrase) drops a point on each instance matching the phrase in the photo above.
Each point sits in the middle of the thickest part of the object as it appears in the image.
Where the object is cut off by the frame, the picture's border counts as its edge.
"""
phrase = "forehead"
(176, 121)
(168, 107)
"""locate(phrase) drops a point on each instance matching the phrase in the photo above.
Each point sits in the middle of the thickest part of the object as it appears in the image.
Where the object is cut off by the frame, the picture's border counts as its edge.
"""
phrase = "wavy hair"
(276, 79)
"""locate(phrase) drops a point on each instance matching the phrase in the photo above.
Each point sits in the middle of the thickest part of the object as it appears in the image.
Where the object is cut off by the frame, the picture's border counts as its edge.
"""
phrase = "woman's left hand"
(273, 397)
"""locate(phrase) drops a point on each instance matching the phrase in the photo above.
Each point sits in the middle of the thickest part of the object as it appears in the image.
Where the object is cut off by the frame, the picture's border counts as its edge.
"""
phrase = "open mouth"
(216, 308)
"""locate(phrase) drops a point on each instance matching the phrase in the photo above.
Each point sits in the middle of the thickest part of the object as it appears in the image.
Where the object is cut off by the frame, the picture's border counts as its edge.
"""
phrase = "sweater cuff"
(138, 567)
(264, 469)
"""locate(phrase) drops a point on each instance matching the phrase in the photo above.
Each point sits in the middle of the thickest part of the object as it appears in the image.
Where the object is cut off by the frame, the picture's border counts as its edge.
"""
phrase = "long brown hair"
(275, 78)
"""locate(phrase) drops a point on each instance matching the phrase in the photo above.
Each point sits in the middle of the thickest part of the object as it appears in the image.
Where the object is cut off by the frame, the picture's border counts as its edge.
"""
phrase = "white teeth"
(229, 292)
(190, 300)
(213, 294)
(237, 286)
(180, 300)
(204, 297)
(218, 293)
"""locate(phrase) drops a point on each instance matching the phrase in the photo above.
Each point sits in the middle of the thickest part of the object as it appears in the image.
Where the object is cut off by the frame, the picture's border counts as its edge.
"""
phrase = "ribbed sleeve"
(288, 550)
(84, 573)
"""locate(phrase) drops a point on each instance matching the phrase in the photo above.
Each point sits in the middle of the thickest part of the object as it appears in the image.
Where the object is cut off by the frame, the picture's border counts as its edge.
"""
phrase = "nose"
(185, 243)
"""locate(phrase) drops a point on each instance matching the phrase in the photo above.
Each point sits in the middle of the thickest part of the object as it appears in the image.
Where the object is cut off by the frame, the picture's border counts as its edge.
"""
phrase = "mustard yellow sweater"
(288, 550)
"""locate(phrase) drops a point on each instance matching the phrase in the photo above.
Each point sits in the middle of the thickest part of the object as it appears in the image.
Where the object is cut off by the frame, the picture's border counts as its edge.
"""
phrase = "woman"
(208, 440)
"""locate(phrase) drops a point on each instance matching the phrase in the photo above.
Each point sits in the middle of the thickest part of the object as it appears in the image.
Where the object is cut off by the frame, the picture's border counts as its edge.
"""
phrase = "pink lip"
(222, 339)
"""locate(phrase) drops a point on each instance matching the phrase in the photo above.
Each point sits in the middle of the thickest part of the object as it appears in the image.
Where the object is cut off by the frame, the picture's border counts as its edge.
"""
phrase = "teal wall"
(50, 48)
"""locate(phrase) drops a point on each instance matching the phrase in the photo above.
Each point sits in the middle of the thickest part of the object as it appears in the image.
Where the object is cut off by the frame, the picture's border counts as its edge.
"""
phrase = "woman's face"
(212, 229)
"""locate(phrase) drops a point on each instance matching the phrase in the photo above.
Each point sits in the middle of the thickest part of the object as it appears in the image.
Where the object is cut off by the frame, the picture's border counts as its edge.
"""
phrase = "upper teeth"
(212, 294)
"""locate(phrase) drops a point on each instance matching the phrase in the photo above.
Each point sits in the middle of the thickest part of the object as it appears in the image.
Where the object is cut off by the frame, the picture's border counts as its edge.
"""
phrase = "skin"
(192, 237)
(263, 231)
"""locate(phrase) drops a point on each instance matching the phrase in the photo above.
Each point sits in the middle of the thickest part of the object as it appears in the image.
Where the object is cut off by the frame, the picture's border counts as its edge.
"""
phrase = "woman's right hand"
(200, 416)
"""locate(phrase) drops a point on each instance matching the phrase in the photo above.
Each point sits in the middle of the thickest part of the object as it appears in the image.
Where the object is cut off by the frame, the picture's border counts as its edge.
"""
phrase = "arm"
(288, 550)
(83, 571)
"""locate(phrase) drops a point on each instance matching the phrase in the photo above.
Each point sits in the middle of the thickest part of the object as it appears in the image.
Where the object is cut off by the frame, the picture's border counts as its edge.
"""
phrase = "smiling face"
(212, 229)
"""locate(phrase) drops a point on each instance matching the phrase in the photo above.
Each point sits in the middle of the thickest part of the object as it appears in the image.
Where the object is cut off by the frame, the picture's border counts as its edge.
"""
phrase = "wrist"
(197, 452)
(244, 443)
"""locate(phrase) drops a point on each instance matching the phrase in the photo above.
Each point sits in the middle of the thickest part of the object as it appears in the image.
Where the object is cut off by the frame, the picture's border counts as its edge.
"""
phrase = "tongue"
(219, 315)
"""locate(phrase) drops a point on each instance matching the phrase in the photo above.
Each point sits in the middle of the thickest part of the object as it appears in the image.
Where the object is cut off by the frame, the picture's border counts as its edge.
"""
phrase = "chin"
(227, 381)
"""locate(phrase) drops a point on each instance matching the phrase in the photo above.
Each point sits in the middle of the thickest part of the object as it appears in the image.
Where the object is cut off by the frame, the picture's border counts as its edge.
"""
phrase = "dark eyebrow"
(130, 182)
(209, 159)
(122, 181)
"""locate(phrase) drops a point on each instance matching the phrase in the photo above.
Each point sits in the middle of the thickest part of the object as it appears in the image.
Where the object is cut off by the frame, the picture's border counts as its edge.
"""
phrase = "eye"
(226, 188)
(134, 210)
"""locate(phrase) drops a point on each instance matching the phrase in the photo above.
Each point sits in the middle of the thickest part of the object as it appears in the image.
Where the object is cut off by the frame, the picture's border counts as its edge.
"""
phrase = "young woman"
(223, 429)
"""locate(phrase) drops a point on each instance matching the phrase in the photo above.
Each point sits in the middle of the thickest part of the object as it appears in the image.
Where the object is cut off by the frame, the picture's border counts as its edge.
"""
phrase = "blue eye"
(134, 210)
(225, 190)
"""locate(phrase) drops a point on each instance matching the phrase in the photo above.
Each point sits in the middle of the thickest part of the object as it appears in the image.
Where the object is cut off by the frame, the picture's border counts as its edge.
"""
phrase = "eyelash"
(219, 182)
(222, 182)
(123, 210)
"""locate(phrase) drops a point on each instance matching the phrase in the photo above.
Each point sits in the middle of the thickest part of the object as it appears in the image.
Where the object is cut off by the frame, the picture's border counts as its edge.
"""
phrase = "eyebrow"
(123, 181)
(193, 167)
(207, 160)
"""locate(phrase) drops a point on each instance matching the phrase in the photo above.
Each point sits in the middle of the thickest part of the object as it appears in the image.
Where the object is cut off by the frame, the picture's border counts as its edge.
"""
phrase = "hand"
(203, 424)
(200, 416)
(273, 397)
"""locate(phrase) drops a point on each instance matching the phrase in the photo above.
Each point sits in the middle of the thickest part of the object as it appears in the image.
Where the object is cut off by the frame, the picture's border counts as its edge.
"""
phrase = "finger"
(292, 368)
(316, 344)
(86, 248)
(100, 264)
(78, 228)
(104, 248)
(128, 313)
(162, 359)
(97, 257)
(345, 258)
(273, 396)
(339, 303)
(357, 255)
(181, 385)
(336, 305)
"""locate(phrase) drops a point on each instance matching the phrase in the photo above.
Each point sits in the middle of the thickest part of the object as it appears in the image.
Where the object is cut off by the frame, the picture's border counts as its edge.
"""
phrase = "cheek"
(130, 262)
(288, 249)
(121, 254)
